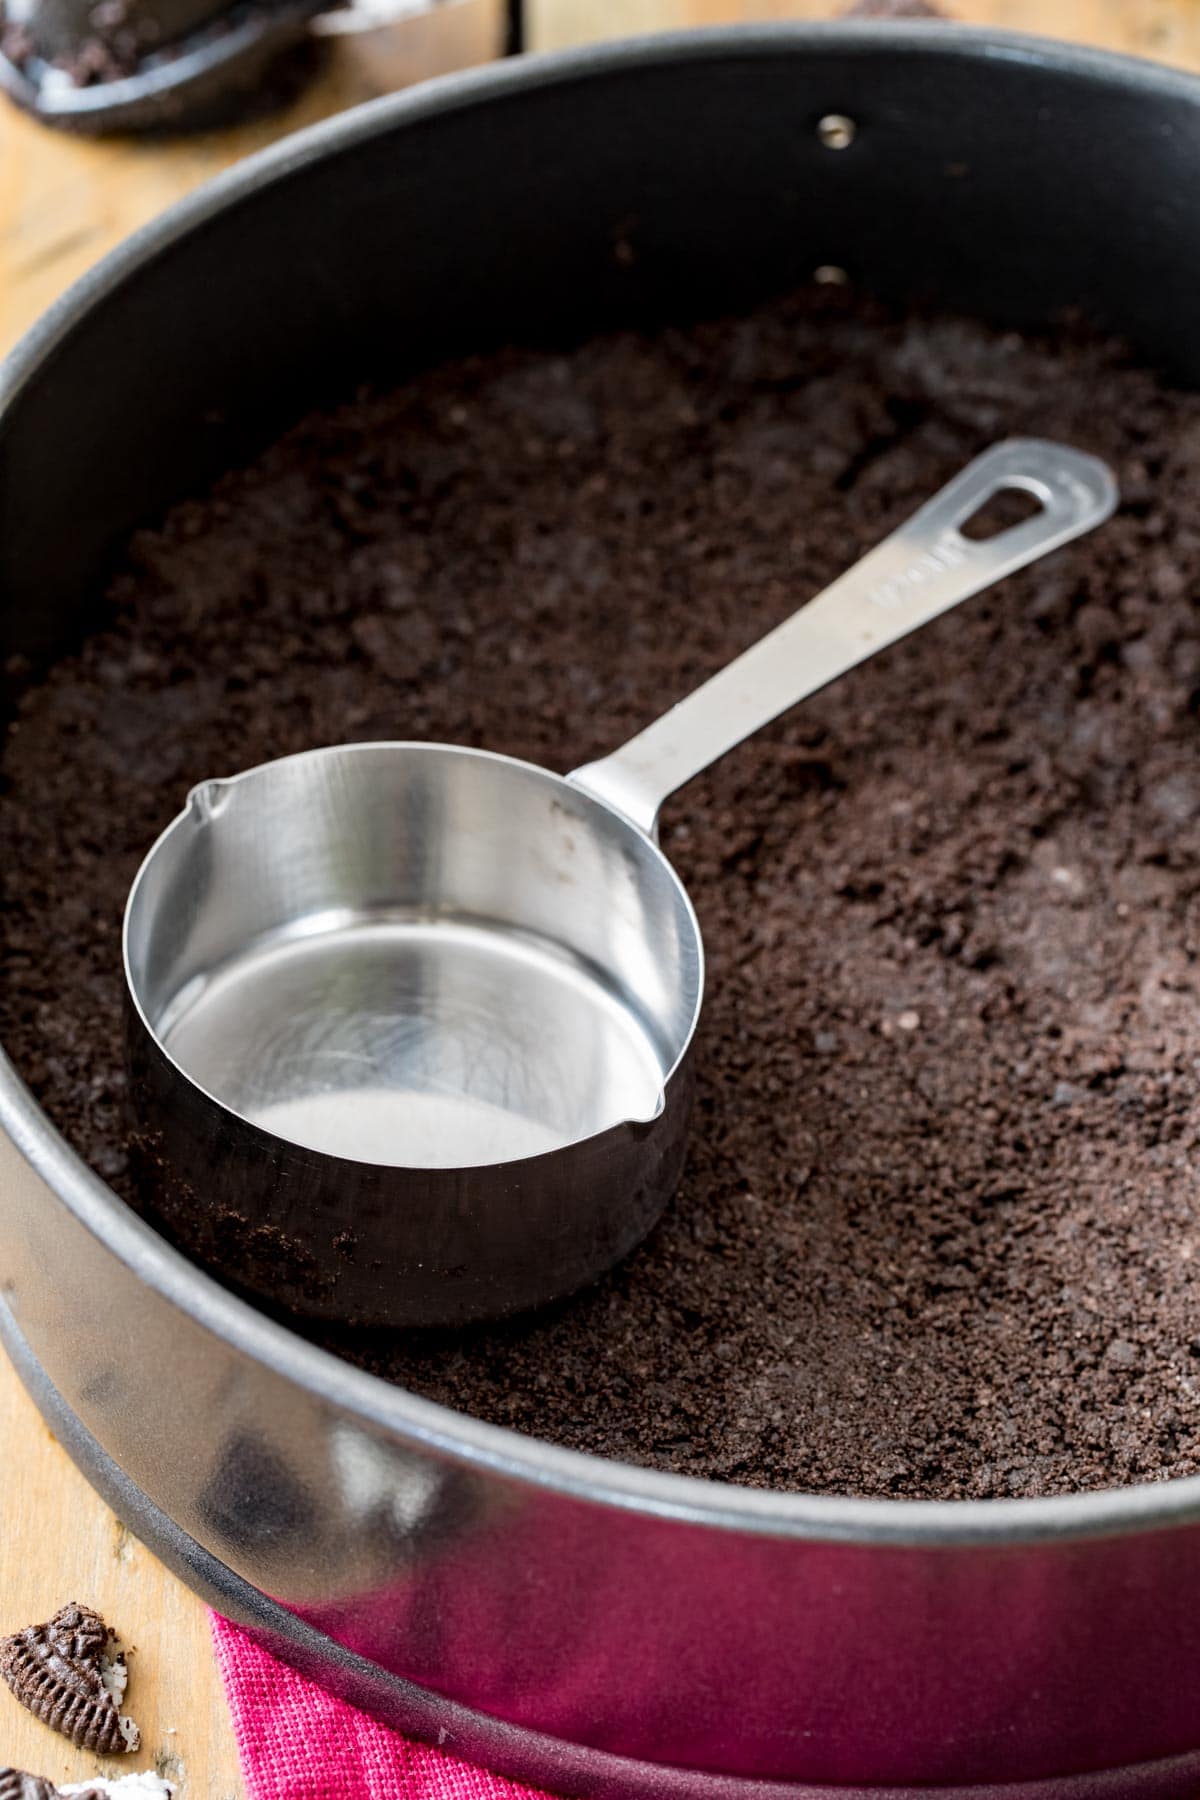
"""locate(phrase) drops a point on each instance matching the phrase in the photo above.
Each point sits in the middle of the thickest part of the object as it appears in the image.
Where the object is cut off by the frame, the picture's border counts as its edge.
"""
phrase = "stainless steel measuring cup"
(410, 1023)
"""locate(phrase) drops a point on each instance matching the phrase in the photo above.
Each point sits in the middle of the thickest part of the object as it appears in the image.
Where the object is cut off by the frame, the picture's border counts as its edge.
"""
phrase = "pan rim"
(532, 1461)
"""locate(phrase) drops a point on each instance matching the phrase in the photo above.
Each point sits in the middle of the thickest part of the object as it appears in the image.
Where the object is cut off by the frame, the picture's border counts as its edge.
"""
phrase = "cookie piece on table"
(15, 1784)
(68, 1674)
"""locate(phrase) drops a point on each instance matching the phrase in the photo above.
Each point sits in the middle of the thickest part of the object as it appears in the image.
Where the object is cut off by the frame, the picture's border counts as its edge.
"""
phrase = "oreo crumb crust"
(939, 1231)
(63, 1674)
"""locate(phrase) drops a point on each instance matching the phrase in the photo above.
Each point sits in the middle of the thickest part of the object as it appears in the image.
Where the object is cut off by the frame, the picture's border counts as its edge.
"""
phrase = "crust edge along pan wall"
(596, 1629)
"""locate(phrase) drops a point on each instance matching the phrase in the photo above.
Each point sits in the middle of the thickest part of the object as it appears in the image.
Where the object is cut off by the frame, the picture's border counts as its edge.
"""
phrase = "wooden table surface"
(63, 203)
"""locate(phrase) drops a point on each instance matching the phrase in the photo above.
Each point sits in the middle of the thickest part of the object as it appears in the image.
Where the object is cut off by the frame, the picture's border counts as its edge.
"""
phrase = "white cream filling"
(146, 1786)
(129, 1732)
(114, 1673)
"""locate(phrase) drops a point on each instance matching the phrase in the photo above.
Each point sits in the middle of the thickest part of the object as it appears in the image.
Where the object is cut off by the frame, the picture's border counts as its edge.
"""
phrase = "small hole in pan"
(1007, 507)
(836, 131)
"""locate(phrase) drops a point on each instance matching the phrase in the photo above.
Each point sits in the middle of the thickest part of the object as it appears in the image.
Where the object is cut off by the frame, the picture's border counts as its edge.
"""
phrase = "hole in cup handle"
(1071, 490)
(1008, 505)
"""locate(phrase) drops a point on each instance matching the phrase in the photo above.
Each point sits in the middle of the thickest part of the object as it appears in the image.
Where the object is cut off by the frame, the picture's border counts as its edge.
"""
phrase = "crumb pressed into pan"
(939, 1233)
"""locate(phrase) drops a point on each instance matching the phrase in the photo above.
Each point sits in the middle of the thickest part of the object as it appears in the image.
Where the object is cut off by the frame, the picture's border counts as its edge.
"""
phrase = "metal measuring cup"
(410, 1023)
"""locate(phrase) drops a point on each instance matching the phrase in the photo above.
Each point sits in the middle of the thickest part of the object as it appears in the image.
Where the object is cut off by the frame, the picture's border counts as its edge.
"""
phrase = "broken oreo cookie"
(15, 1784)
(63, 1673)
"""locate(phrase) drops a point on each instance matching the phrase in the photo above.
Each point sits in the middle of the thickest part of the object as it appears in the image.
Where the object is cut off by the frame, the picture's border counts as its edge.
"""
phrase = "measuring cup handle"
(917, 573)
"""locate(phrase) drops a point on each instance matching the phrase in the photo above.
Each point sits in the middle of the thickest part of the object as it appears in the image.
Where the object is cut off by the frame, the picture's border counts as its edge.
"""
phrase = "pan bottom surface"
(416, 1042)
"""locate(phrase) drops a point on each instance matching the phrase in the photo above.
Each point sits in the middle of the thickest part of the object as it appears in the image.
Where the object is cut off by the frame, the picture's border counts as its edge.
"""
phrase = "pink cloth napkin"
(299, 1743)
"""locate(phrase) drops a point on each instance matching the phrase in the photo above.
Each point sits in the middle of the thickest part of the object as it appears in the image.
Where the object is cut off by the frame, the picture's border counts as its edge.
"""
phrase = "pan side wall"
(983, 175)
(994, 179)
(656, 1638)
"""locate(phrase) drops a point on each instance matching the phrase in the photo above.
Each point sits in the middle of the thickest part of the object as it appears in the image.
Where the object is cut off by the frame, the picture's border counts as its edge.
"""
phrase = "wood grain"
(63, 203)
(1166, 29)
(59, 1542)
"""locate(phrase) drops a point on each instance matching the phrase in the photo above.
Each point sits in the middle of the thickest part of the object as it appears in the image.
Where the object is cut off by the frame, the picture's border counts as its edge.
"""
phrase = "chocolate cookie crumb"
(16, 1784)
(63, 1673)
(898, 1259)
